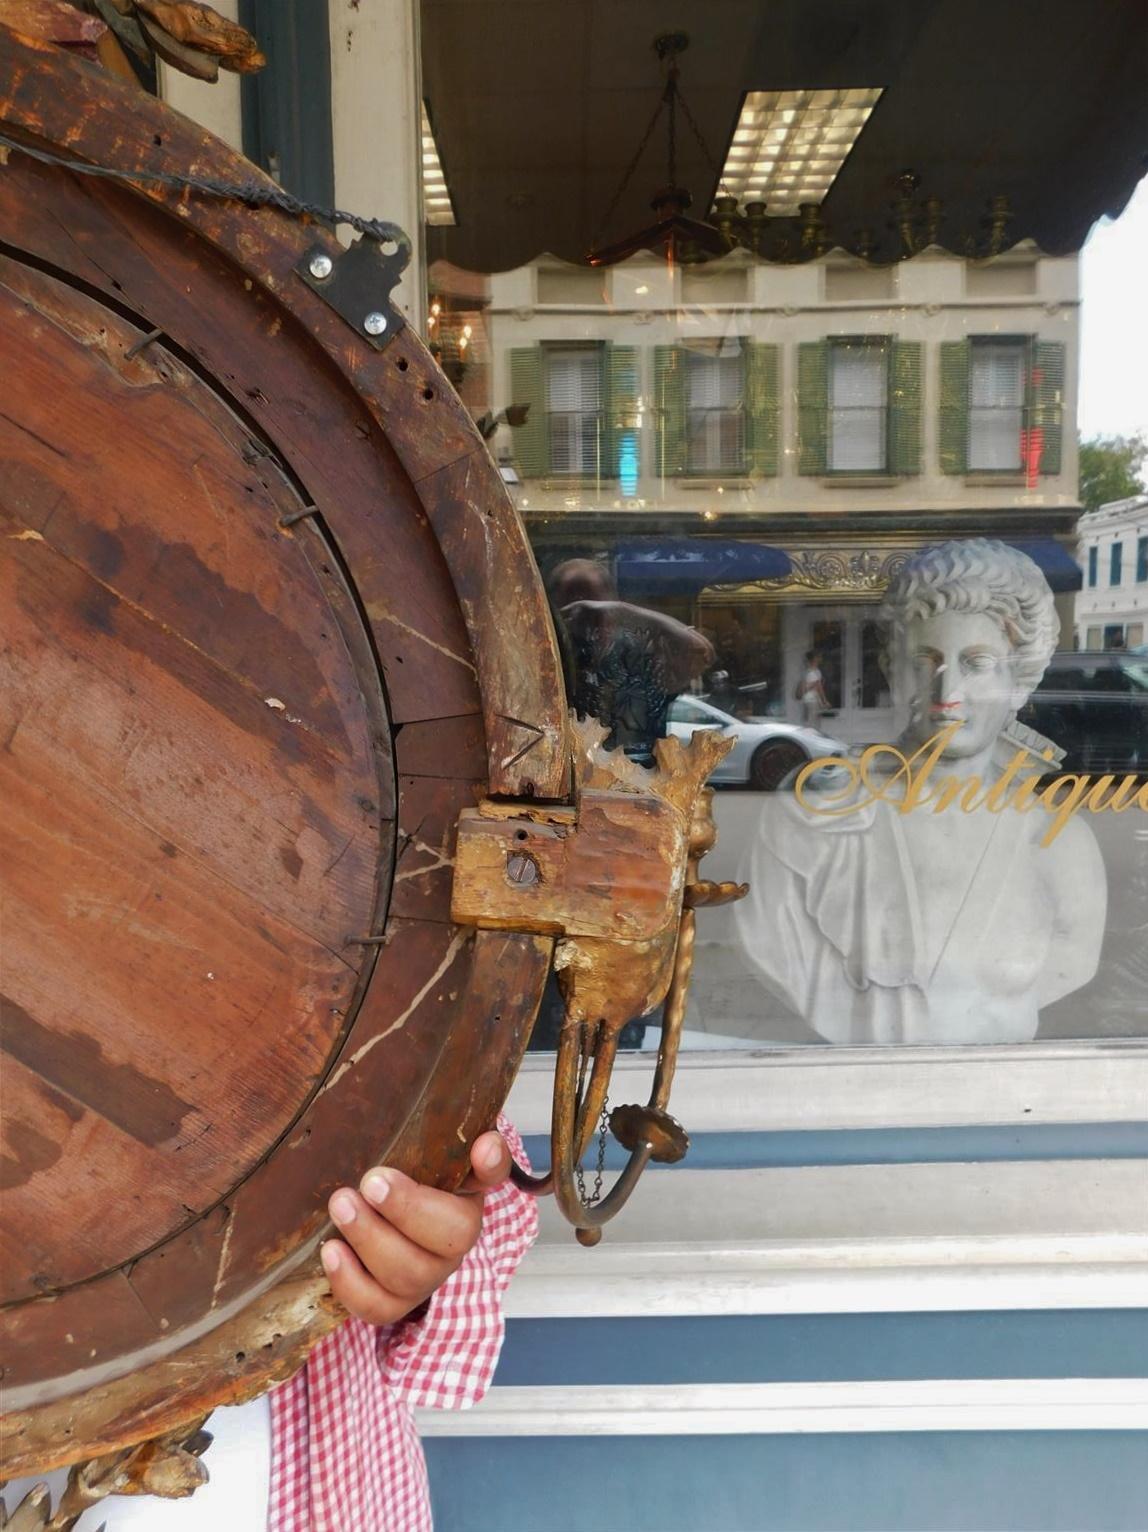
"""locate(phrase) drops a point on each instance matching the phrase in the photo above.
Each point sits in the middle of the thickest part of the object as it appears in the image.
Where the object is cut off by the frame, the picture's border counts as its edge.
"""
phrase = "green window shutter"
(619, 403)
(1047, 402)
(905, 407)
(812, 406)
(528, 386)
(670, 408)
(762, 406)
(954, 422)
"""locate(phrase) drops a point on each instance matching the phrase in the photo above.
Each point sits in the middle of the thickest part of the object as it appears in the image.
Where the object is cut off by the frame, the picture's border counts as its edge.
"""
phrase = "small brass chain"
(600, 1166)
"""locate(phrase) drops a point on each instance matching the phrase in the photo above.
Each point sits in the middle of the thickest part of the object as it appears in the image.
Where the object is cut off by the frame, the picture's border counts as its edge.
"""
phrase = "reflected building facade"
(841, 413)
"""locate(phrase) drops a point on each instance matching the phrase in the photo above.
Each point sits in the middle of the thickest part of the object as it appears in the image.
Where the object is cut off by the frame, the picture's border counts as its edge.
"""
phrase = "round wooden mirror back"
(272, 625)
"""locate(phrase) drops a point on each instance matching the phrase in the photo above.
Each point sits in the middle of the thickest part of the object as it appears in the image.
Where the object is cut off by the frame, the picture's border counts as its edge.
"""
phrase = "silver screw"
(375, 324)
(321, 266)
(521, 869)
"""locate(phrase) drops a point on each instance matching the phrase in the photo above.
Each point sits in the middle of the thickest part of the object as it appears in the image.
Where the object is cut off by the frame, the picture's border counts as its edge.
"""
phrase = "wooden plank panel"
(443, 747)
(163, 1000)
(499, 586)
(348, 466)
(408, 1015)
(151, 485)
(70, 1157)
(165, 736)
(427, 829)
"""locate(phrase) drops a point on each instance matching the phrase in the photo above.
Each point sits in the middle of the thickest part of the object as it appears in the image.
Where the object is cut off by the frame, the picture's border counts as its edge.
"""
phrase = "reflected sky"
(1114, 324)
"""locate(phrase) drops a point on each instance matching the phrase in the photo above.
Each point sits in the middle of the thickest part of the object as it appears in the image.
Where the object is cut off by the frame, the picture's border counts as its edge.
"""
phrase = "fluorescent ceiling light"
(437, 206)
(789, 145)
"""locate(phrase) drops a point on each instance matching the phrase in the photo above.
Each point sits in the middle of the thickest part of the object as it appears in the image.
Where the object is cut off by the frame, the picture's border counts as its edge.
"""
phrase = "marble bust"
(955, 918)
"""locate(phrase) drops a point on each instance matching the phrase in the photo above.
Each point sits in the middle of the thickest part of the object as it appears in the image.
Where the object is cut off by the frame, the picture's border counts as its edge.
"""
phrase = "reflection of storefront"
(846, 643)
(825, 606)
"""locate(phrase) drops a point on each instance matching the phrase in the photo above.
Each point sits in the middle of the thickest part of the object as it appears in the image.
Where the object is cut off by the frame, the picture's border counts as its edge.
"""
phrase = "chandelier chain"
(628, 174)
(705, 148)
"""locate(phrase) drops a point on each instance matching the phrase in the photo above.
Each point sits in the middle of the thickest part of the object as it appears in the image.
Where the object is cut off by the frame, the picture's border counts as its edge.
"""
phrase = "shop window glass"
(825, 503)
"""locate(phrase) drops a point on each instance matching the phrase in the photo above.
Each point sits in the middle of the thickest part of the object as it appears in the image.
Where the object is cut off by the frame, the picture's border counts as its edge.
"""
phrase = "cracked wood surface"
(439, 461)
(172, 844)
(199, 714)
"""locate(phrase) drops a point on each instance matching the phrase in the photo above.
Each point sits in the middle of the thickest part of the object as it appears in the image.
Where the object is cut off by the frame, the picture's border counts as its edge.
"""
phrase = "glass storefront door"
(847, 643)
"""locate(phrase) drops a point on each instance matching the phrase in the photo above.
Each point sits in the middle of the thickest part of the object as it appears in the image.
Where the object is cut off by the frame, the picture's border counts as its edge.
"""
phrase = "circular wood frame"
(435, 560)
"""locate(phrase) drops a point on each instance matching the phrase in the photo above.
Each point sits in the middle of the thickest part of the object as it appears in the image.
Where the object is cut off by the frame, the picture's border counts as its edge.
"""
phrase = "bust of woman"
(885, 914)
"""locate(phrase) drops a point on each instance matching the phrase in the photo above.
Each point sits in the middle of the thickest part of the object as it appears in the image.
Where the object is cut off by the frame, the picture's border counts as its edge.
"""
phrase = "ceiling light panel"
(789, 145)
(437, 206)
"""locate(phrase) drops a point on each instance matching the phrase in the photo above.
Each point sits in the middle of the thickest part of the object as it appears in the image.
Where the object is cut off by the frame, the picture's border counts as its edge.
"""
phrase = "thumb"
(489, 1161)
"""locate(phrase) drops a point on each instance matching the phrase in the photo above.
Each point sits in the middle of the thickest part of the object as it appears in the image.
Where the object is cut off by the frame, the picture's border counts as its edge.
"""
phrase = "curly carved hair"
(981, 575)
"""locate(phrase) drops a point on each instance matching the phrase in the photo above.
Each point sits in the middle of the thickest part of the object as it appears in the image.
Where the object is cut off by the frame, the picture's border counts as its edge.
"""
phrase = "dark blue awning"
(1059, 567)
(682, 565)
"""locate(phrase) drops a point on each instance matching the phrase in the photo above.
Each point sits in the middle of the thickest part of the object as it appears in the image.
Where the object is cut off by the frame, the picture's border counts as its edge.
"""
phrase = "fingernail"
(329, 1255)
(343, 1208)
(376, 1187)
(491, 1155)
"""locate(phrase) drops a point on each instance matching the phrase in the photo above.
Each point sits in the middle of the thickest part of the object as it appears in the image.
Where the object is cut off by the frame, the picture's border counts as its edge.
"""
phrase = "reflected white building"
(1112, 606)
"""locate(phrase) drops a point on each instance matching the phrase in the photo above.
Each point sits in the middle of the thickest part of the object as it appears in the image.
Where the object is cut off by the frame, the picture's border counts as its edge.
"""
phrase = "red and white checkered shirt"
(345, 1453)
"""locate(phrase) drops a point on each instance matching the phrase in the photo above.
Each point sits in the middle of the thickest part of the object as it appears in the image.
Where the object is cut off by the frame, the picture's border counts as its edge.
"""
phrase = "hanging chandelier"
(684, 239)
(786, 236)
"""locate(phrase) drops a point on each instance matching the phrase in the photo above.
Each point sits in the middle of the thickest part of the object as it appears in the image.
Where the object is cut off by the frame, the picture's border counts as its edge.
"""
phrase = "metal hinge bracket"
(357, 283)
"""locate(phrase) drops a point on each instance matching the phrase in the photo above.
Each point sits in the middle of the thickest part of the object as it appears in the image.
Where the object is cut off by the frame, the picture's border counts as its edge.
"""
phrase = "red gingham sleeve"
(446, 1358)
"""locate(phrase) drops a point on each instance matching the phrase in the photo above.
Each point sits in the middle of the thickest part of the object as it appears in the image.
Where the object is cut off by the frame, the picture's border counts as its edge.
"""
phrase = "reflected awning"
(684, 565)
(1060, 569)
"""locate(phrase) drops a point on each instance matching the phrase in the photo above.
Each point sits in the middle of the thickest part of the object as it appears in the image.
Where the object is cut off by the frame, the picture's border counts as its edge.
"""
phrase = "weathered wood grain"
(424, 850)
(282, 382)
(454, 744)
(619, 877)
(426, 428)
(168, 501)
(173, 978)
(52, 21)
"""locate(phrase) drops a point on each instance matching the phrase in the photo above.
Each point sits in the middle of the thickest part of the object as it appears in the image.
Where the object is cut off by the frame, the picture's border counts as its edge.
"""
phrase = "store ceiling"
(539, 106)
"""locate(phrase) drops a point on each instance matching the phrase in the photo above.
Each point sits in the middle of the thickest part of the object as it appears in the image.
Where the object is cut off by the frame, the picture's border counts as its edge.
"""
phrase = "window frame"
(838, 342)
(1025, 344)
(694, 354)
(837, 1088)
(551, 351)
(1093, 566)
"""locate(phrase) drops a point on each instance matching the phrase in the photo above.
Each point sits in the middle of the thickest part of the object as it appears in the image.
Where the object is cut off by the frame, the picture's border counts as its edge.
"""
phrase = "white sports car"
(766, 750)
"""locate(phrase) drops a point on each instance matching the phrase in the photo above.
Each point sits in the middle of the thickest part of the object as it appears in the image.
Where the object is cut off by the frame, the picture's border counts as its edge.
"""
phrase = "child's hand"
(403, 1240)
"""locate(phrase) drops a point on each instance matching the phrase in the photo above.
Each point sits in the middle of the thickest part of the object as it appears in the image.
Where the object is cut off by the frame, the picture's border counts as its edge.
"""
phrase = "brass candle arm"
(616, 879)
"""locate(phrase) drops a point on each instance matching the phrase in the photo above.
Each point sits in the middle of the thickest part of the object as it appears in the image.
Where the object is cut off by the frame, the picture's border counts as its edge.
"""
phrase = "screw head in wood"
(521, 869)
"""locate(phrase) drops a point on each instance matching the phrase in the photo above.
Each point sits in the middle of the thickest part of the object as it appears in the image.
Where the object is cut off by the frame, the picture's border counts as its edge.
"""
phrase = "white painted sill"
(832, 1088)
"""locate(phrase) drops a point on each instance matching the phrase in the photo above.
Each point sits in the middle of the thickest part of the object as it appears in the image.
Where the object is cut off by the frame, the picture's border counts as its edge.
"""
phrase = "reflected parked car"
(1094, 705)
(765, 751)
